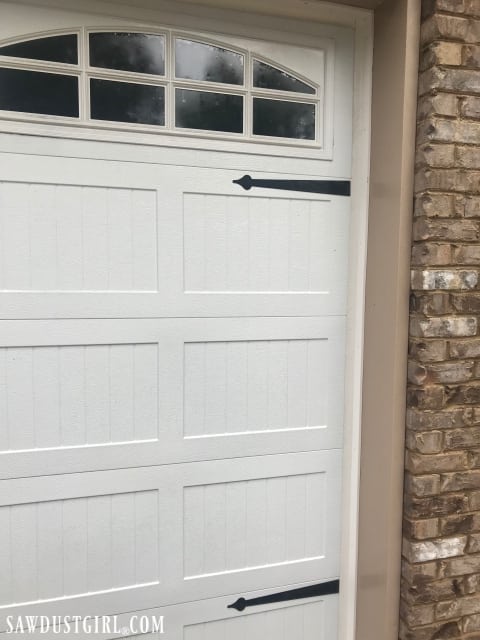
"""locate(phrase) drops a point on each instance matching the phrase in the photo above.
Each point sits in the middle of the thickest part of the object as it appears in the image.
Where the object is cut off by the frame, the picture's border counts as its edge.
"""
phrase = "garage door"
(172, 357)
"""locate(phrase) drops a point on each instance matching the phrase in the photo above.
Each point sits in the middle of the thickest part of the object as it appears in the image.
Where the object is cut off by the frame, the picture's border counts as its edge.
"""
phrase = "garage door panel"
(305, 621)
(119, 240)
(68, 541)
(78, 238)
(167, 534)
(73, 546)
(224, 394)
(238, 380)
(77, 395)
(244, 244)
(265, 253)
(210, 618)
(99, 394)
(245, 522)
(219, 539)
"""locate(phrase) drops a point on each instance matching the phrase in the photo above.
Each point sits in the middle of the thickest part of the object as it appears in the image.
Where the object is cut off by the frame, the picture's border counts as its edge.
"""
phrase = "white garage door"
(172, 346)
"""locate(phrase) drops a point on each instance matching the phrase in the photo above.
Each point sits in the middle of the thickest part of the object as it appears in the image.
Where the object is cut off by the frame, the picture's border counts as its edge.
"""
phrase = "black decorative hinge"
(329, 187)
(313, 590)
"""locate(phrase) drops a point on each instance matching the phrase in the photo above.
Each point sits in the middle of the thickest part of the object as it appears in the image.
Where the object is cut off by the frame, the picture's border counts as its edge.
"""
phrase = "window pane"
(53, 49)
(209, 111)
(268, 77)
(127, 102)
(283, 119)
(139, 52)
(197, 61)
(36, 92)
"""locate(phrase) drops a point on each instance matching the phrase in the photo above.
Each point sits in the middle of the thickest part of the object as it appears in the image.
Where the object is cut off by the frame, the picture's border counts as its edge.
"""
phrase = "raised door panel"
(96, 394)
(312, 619)
(157, 536)
(77, 238)
(123, 239)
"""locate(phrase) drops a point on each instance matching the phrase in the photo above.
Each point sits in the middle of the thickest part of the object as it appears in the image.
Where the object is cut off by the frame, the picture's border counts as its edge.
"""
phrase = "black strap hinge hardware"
(329, 187)
(312, 591)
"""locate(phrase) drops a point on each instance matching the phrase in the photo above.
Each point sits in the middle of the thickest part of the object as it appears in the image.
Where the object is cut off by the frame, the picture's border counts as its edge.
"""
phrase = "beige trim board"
(395, 68)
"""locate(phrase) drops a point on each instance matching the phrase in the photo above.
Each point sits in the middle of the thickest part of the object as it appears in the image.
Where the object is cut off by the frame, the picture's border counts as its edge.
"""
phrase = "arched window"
(161, 81)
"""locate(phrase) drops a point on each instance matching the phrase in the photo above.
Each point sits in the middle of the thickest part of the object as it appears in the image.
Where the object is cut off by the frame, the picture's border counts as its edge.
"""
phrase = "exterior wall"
(441, 551)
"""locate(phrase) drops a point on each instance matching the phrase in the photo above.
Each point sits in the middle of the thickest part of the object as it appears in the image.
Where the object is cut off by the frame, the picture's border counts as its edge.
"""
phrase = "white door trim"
(356, 320)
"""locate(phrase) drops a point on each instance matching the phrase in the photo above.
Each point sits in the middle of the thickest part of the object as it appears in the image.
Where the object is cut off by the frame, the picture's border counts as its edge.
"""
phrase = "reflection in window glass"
(197, 61)
(127, 102)
(283, 119)
(208, 110)
(139, 52)
(52, 49)
(267, 77)
(36, 92)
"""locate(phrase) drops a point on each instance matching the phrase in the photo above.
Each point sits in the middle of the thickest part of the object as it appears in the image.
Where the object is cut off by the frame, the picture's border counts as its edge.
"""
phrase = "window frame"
(84, 72)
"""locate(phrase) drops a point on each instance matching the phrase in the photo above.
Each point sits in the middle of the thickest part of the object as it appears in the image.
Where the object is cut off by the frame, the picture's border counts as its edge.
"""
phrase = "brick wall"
(441, 552)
